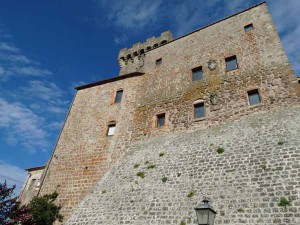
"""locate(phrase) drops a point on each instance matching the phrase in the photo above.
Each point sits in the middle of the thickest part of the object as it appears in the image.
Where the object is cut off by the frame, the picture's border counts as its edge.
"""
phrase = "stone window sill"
(199, 119)
(255, 106)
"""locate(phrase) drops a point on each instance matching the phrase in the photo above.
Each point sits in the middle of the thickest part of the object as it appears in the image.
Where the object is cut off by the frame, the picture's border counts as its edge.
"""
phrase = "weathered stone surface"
(252, 174)
(84, 154)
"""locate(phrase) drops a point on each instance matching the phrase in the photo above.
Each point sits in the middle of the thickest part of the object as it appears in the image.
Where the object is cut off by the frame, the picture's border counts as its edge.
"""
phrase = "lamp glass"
(202, 216)
(211, 217)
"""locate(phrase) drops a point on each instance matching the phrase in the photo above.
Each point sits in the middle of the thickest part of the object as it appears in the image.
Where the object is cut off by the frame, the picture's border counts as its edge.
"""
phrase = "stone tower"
(214, 113)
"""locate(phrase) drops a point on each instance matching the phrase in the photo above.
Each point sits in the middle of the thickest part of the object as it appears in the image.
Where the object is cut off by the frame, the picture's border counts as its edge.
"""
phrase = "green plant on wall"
(161, 154)
(240, 210)
(280, 142)
(284, 202)
(191, 194)
(164, 179)
(151, 166)
(220, 150)
(141, 174)
(182, 222)
(136, 165)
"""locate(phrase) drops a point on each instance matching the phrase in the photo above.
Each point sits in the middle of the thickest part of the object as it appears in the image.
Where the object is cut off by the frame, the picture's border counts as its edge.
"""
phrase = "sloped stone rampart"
(260, 165)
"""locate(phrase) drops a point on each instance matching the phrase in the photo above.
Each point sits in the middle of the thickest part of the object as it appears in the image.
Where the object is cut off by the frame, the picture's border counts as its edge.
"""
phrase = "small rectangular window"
(249, 27)
(254, 97)
(119, 96)
(158, 61)
(111, 129)
(199, 110)
(231, 63)
(197, 73)
(161, 120)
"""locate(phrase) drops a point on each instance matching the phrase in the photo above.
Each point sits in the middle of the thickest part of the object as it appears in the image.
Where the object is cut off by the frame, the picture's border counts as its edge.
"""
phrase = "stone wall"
(84, 153)
(259, 165)
(32, 184)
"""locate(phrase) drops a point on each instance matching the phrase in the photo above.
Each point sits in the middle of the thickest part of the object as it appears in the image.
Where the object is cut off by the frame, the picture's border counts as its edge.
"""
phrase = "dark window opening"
(158, 61)
(231, 63)
(111, 129)
(119, 96)
(249, 27)
(199, 110)
(254, 97)
(197, 73)
(161, 120)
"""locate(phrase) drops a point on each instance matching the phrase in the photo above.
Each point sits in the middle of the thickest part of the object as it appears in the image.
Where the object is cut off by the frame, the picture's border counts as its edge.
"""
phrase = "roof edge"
(122, 77)
(213, 23)
(35, 168)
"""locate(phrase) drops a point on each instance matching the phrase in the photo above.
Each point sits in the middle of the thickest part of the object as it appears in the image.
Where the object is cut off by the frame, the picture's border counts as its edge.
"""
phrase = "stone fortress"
(212, 114)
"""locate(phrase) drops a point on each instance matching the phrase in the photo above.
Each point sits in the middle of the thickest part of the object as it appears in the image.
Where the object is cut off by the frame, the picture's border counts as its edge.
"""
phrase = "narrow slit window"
(199, 110)
(254, 97)
(249, 27)
(197, 73)
(161, 120)
(158, 61)
(111, 129)
(231, 63)
(119, 96)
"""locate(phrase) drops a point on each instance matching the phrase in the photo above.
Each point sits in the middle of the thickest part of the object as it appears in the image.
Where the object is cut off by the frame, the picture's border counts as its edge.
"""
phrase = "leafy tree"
(10, 210)
(8, 203)
(44, 210)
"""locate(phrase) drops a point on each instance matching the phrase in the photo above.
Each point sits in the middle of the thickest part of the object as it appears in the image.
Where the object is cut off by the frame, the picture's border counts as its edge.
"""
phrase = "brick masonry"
(84, 154)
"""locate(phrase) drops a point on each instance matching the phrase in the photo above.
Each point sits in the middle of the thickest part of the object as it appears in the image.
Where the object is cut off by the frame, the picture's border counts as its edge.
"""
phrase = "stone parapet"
(132, 59)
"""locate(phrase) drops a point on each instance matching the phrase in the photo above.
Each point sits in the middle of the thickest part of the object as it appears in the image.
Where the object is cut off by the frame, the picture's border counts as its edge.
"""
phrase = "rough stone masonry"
(244, 157)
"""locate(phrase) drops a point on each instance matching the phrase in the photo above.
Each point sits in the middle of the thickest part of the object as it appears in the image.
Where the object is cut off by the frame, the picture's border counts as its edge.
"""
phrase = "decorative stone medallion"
(212, 64)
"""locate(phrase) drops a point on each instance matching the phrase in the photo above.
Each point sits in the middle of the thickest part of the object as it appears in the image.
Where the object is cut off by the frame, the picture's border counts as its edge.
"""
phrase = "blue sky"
(48, 47)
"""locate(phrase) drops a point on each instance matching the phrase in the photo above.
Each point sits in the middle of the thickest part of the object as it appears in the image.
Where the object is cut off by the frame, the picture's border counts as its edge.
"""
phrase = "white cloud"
(129, 14)
(32, 71)
(121, 39)
(22, 126)
(15, 174)
(286, 16)
(8, 47)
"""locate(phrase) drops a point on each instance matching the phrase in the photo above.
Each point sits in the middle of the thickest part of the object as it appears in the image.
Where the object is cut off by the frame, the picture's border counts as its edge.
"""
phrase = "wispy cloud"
(8, 47)
(286, 16)
(13, 175)
(22, 126)
(132, 17)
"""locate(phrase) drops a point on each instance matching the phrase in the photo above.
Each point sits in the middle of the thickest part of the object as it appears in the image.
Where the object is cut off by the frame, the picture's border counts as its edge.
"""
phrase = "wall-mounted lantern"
(205, 213)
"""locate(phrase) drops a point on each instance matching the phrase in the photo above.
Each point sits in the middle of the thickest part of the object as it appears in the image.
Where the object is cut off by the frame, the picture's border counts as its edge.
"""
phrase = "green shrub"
(141, 174)
(240, 210)
(44, 210)
(220, 150)
(280, 142)
(284, 202)
(161, 154)
(136, 165)
(146, 162)
(151, 166)
(191, 194)
(178, 174)
(164, 179)
(182, 222)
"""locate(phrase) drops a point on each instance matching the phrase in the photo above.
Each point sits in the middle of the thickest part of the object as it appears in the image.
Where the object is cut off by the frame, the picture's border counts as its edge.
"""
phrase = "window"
(119, 95)
(249, 27)
(254, 97)
(161, 120)
(197, 73)
(111, 129)
(158, 61)
(199, 110)
(231, 63)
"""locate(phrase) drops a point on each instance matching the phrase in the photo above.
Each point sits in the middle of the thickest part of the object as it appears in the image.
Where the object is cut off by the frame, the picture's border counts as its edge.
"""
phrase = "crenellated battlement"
(132, 59)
